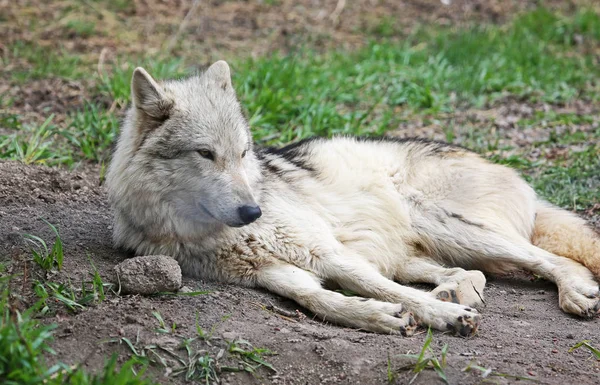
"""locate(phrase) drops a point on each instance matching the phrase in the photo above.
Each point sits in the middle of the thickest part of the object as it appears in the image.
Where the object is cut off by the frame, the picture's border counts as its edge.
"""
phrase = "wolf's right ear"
(149, 97)
(221, 74)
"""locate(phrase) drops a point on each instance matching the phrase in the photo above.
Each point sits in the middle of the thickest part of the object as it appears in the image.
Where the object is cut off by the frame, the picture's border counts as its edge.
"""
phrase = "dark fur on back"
(298, 153)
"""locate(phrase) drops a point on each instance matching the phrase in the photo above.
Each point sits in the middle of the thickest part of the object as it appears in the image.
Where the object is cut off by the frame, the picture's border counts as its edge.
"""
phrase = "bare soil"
(220, 27)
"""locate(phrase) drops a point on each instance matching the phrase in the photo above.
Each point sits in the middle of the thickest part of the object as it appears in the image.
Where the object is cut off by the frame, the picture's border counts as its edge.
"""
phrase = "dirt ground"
(523, 332)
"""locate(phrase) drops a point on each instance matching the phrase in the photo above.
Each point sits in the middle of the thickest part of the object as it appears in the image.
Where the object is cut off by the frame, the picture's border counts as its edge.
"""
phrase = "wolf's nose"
(249, 214)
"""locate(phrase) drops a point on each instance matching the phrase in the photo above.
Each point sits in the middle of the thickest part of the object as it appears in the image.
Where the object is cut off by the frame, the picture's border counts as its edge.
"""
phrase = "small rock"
(148, 275)
(47, 198)
(230, 336)
(185, 289)
(570, 336)
(554, 351)
(165, 341)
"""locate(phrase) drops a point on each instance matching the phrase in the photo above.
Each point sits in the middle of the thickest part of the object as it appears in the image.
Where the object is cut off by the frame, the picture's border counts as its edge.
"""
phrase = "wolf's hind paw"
(584, 303)
(410, 326)
(465, 325)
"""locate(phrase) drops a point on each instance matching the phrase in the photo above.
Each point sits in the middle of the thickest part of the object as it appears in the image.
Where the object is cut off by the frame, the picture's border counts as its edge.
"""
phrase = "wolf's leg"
(567, 235)
(453, 284)
(468, 243)
(353, 273)
(578, 292)
(305, 288)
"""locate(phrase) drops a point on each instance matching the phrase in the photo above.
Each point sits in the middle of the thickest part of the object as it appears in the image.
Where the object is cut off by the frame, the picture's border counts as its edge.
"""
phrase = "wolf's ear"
(219, 72)
(149, 96)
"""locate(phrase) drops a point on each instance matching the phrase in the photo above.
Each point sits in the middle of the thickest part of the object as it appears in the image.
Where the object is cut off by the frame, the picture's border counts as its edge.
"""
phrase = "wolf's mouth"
(201, 207)
(205, 210)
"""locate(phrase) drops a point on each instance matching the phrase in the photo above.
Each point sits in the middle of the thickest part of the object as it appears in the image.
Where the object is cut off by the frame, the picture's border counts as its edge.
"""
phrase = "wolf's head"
(184, 159)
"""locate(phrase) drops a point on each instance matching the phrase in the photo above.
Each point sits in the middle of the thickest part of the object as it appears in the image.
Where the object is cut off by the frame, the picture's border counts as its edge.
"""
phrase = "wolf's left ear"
(220, 73)
(149, 97)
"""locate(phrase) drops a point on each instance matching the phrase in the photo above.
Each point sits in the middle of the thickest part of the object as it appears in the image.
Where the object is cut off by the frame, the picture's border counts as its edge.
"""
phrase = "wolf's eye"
(244, 153)
(206, 154)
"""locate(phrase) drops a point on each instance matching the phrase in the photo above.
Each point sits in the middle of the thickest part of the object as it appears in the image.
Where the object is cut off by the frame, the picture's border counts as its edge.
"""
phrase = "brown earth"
(220, 27)
(523, 331)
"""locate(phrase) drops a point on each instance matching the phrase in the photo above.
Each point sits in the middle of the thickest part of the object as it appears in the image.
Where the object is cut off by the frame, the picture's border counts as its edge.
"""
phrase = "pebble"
(148, 275)
(230, 336)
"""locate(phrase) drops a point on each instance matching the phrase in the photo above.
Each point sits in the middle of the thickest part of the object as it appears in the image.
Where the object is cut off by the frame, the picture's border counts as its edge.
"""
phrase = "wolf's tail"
(563, 233)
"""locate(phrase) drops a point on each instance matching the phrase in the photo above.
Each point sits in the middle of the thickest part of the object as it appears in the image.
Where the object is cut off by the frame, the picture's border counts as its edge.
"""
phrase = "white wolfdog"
(360, 214)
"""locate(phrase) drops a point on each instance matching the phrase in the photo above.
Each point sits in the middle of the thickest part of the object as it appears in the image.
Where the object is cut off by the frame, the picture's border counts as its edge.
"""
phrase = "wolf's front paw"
(467, 289)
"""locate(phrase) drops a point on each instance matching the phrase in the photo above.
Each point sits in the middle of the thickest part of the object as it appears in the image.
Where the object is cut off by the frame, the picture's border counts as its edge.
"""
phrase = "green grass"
(90, 292)
(91, 131)
(25, 345)
(586, 344)
(44, 62)
(82, 28)
(191, 360)
(427, 358)
(46, 258)
(124, 6)
(116, 85)
(572, 183)
(291, 97)
(251, 358)
(488, 372)
(548, 26)
(33, 144)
